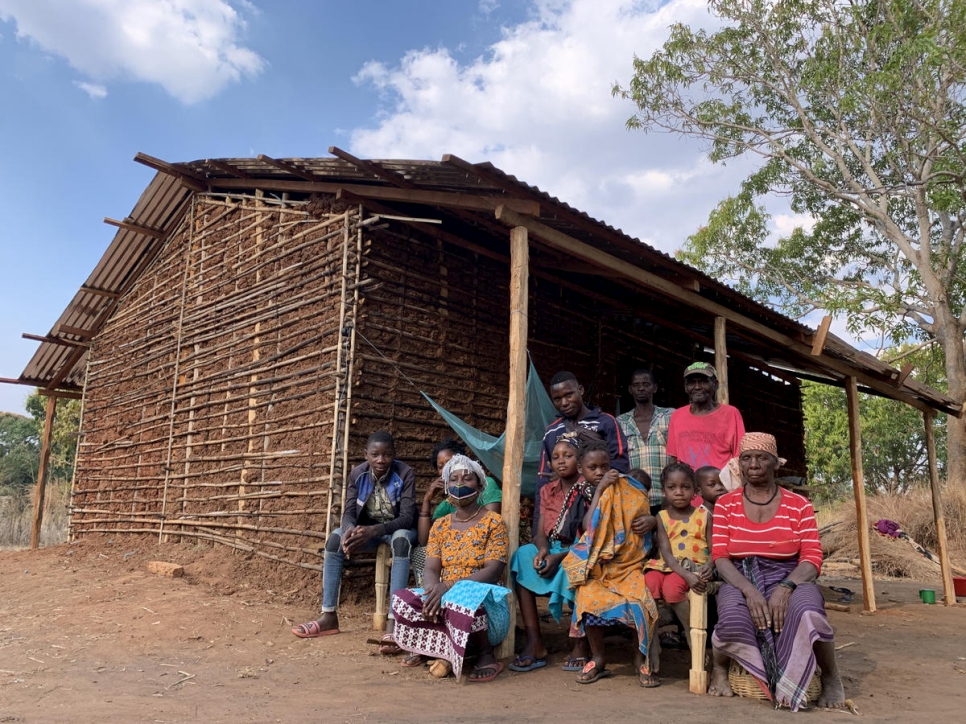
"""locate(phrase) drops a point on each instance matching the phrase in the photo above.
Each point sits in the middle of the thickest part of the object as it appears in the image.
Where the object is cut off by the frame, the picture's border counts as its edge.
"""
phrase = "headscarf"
(463, 462)
(760, 441)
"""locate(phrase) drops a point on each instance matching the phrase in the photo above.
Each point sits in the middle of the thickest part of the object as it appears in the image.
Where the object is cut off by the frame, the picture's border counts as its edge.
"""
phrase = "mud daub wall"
(439, 312)
(209, 407)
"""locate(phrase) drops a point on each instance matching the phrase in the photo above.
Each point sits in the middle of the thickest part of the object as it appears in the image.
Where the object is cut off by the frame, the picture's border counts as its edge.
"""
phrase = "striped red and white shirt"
(791, 532)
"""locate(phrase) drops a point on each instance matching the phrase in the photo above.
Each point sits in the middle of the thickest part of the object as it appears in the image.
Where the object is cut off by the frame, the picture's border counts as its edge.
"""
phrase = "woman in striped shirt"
(771, 615)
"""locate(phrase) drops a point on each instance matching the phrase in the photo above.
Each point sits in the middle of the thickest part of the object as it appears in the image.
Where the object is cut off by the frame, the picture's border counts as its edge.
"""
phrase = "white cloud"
(488, 6)
(191, 48)
(785, 224)
(538, 104)
(95, 91)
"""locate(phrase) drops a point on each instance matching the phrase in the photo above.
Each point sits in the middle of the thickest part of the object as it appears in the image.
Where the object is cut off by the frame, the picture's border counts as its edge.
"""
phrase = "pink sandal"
(312, 630)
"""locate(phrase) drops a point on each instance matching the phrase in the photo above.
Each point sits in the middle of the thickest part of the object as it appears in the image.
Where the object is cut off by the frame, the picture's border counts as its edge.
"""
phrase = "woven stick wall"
(212, 392)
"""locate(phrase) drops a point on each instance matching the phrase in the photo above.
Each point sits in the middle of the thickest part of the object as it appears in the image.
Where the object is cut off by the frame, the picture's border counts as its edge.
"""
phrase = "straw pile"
(898, 558)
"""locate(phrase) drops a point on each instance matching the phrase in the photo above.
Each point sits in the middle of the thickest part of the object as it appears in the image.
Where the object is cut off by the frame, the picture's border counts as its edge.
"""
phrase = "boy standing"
(646, 428)
(567, 395)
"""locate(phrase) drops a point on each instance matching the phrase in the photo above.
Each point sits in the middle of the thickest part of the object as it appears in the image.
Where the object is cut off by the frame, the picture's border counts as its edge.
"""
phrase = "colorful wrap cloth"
(467, 607)
(606, 565)
(784, 663)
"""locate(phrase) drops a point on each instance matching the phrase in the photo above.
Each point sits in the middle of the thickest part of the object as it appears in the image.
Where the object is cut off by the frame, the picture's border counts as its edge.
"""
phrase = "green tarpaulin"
(489, 449)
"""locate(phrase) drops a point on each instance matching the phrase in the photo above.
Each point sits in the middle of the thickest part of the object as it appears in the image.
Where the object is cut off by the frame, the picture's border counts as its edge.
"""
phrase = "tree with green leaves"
(856, 111)
(19, 453)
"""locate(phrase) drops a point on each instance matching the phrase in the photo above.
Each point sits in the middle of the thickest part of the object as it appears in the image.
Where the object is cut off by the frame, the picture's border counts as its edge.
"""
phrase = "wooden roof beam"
(375, 169)
(54, 340)
(904, 373)
(29, 382)
(76, 331)
(226, 168)
(187, 179)
(129, 225)
(673, 290)
(287, 167)
(99, 292)
(430, 229)
(821, 334)
(444, 199)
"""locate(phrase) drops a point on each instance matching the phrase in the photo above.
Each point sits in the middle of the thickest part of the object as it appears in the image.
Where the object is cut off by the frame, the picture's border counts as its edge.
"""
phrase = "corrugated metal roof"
(163, 202)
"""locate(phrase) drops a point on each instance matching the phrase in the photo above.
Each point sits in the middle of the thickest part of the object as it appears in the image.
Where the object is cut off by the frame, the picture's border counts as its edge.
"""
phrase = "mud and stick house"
(253, 320)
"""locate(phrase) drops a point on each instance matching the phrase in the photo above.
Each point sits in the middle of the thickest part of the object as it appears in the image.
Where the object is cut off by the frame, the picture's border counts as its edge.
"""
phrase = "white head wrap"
(462, 462)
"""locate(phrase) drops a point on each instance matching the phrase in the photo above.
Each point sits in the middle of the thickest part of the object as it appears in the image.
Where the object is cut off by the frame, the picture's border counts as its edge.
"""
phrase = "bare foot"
(328, 621)
(719, 685)
(833, 693)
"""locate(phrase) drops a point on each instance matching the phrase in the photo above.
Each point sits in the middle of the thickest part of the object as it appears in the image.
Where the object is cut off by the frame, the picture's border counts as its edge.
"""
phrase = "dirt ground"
(87, 634)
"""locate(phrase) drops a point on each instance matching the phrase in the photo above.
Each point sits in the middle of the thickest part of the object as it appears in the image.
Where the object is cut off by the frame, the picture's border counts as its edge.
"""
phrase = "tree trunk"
(951, 338)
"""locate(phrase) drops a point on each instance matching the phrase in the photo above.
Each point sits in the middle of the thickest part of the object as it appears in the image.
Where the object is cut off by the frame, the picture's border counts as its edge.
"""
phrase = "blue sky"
(88, 83)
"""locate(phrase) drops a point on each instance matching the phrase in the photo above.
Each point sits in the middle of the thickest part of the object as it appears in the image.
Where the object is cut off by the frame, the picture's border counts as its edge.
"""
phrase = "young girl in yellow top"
(684, 542)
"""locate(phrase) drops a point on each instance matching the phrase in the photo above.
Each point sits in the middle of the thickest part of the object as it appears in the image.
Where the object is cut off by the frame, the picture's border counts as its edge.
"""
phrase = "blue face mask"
(461, 492)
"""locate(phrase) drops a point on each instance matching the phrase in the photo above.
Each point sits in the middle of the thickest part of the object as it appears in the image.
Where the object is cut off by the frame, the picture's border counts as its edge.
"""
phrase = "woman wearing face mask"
(460, 604)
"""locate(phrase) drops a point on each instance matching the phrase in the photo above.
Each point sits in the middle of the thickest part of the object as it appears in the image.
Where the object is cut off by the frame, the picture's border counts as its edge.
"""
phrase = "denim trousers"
(399, 542)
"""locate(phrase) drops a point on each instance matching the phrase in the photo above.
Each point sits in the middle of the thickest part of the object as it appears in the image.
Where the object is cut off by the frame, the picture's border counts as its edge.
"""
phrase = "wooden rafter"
(226, 168)
(187, 178)
(821, 334)
(287, 167)
(474, 202)
(128, 225)
(76, 331)
(54, 340)
(99, 292)
(372, 168)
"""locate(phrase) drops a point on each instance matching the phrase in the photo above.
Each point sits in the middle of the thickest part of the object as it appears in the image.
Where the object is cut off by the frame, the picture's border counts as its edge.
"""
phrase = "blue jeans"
(400, 542)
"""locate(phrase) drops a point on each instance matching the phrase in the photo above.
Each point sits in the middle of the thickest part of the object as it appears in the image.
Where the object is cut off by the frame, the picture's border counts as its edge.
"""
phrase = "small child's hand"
(706, 572)
(643, 524)
(694, 583)
(610, 478)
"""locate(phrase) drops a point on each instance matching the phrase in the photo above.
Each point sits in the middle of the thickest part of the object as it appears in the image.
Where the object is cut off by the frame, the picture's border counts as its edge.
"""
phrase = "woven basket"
(744, 684)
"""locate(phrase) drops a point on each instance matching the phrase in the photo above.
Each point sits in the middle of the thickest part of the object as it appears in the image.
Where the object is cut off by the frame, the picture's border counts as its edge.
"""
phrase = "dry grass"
(16, 518)
(891, 557)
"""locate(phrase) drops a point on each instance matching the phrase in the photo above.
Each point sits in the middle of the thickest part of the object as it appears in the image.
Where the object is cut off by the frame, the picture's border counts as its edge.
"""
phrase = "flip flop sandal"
(497, 670)
(527, 663)
(388, 647)
(575, 664)
(312, 630)
(596, 673)
(647, 679)
(414, 661)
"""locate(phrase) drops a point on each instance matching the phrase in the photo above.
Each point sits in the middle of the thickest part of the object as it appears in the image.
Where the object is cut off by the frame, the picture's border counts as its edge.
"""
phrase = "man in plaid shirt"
(646, 430)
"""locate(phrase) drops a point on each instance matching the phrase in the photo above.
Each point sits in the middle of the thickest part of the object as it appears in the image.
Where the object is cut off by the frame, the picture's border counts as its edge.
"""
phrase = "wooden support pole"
(41, 489)
(949, 595)
(858, 487)
(721, 358)
(516, 409)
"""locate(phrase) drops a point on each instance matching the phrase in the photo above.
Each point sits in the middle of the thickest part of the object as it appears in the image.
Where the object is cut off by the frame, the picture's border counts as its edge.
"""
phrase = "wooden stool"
(383, 567)
(699, 639)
